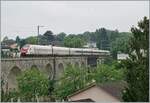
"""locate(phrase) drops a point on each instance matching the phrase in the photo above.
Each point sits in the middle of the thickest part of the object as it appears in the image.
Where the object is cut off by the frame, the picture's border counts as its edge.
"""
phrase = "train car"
(41, 50)
(60, 50)
(35, 50)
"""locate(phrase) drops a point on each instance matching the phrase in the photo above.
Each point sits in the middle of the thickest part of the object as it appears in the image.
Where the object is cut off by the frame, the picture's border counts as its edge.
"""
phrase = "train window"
(26, 46)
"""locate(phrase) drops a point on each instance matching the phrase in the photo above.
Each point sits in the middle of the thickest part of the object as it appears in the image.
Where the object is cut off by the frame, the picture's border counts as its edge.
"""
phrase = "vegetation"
(73, 41)
(112, 40)
(31, 40)
(134, 70)
(138, 64)
(31, 84)
(102, 39)
(75, 78)
(106, 73)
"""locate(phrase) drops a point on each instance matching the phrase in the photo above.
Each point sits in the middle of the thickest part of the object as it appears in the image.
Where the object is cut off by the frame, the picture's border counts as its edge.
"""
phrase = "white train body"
(54, 50)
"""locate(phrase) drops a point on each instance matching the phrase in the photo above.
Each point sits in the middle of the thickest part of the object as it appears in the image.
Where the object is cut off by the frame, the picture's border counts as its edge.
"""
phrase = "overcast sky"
(72, 17)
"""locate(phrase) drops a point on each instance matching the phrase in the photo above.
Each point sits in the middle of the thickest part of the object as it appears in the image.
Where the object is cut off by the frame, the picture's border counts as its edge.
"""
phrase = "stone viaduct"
(51, 66)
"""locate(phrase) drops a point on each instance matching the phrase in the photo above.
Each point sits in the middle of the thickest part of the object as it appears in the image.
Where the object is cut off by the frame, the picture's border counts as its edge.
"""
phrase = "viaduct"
(52, 66)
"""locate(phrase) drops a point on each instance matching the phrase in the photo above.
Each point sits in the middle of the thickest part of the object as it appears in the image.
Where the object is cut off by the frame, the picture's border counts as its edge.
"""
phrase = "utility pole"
(38, 32)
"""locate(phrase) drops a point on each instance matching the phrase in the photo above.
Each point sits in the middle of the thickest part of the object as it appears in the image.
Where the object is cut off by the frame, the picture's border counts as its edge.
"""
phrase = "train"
(47, 50)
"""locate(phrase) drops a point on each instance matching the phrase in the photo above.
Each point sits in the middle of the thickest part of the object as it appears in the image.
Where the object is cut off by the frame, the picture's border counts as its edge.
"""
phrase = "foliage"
(31, 40)
(73, 42)
(107, 73)
(7, 96)
(49, 36)
(32, 83)
(18, 40)
(61, 36)
(22, 42)
(102, 39)
(119, 45)
(137, 65)
(5, 38)
(73, 78)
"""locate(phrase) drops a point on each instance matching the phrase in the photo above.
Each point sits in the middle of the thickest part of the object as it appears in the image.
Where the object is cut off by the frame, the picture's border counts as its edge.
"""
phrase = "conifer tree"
(137, 64)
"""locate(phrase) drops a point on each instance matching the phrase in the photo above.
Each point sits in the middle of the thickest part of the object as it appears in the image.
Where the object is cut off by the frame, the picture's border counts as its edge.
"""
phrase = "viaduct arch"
(51, 66)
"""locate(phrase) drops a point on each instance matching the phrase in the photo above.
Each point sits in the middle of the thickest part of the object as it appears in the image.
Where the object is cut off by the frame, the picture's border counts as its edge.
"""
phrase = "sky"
(72, 17)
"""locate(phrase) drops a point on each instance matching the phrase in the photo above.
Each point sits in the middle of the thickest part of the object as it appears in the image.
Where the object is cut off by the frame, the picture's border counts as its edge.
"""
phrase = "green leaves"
(73, 78)
(31, 40)
(137, 65)
(73, 41)
(31, 83)
(106, 73)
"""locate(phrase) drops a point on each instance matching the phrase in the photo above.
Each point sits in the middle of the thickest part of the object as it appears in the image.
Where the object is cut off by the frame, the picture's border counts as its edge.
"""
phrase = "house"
(11, 50)
(90, 45)
(5, 51)
(122, 56)
(107, 92)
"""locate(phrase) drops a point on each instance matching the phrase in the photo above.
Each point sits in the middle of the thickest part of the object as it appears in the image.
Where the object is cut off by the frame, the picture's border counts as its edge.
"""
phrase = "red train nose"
(24, 50)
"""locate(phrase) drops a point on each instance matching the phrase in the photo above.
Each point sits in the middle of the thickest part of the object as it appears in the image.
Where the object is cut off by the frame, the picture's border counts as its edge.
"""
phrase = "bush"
(73, 79)
(107, 73)
(32, 83)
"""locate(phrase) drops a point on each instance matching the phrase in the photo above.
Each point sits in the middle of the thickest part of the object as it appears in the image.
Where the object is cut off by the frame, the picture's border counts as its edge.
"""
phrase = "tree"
(49, 36)
(73, 42)
(22, 42)
(102, 39)
(120, 44)
(106, 73)
(32, 83)
(18, 40)
(31, 40)
(73, 79)
(5, 38)
(61, 36)
(137, 64)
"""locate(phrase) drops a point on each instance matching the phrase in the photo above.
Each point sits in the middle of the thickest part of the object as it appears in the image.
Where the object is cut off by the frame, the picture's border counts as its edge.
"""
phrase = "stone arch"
(60, 69)
(76, 64)
(49, 71)
(34, 67)
(69, 63)
(12, 77)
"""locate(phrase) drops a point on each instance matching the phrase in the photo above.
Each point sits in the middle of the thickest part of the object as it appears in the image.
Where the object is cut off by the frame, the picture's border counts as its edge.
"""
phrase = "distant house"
(11, 50)
(122, 56)
(107, 92)
(5, 50)
(90, 45)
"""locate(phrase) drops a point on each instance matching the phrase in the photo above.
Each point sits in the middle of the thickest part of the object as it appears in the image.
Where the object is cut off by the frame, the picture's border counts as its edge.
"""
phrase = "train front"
(24, 50)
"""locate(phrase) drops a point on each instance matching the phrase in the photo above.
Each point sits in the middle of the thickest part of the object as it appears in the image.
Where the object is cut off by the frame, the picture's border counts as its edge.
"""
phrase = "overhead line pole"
(38, 32)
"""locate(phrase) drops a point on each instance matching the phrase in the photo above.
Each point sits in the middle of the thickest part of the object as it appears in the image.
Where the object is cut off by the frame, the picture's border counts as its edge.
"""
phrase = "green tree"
(18, 40)
(120, 44)
(102, 39)
(73, 78)
(61, 36)
(32, 83)
(49, 36)
(106, 73)
(31, 40)
(138, 64)
(22, 42)
(5, 38)
(73, 41)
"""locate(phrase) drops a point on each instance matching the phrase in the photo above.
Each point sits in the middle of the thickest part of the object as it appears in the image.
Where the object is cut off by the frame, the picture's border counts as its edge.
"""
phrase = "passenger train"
(42, 50)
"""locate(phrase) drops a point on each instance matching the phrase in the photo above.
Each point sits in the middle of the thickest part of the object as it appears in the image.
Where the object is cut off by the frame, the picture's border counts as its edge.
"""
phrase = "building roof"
(113, 88)
(5, 47)
(84, 100)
